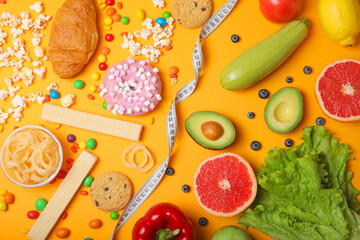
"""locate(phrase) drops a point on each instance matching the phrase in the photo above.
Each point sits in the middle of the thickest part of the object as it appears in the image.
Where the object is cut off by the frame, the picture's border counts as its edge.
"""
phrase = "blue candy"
(161, 21)
(54, 94)
(88, 239)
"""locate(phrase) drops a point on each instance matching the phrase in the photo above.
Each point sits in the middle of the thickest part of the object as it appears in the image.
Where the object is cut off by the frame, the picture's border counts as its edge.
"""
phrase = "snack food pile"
(180, 119)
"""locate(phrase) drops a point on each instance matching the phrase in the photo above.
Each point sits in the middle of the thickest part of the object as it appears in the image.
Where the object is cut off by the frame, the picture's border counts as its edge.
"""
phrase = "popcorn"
(37, 7)
(53, 86)
(16, 113)
(25, 15)
(18, 101)
(36, 98)
(3, 116)
(159, 3)
(67, 100)
(3, 35)
(16, 32)
(40, 72)
(3, 94)
(39, 52)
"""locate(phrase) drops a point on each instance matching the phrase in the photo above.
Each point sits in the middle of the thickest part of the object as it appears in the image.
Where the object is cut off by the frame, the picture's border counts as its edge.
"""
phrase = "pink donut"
(131, 88)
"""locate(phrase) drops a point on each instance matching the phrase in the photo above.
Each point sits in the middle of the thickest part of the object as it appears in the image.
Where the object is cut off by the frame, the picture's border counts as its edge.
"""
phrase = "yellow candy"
(3, 206)
(103, 1)
(107, 28)
(103, 6)
(108, 21)
(40, 125)
(95, 76)
(151, 120)
(2, 192)
(99, 1)
(57, 126)
(140, 14)
(25, 231)
(169, 103)
(82, 145)
(1, 128)
(102, 58)
(92, 88)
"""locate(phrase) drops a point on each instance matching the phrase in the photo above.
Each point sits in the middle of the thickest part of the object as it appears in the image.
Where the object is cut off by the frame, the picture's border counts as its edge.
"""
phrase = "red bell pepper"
(163, 221)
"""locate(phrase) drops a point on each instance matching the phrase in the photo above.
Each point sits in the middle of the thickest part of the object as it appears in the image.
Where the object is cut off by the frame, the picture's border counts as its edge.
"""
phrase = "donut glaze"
(131, 88)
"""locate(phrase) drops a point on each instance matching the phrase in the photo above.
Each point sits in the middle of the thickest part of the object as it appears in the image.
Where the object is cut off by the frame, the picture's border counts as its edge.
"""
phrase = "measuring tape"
(171, 120)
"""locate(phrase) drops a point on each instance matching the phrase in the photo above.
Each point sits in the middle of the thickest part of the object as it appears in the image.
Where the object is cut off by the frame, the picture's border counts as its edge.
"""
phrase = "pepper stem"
(166, 234)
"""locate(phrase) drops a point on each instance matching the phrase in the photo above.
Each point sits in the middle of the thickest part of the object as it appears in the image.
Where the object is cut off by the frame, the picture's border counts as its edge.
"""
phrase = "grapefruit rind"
(240, 208)
(321, 102)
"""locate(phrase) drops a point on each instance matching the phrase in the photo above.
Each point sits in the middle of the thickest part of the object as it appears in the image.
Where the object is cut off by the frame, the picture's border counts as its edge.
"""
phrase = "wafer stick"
(62, 196)
(91, 122)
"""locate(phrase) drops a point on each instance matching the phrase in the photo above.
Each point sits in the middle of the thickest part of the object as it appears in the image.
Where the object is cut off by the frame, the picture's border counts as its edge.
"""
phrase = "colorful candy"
(103, 66)
(161, 21)
(104, 105)
(105, 50)
(9, 198)
(73, 149)
(114, 215)
(71, 138)
(125, 20)
(3, 206)
(96, 223)
(70, 160)
(109, 37)
(1, 128)
(116, 17)
(174, 70)
(82, 145)
(84, 193)
(108, 21)
(62, 232)
(62, 173)
(120, 5)
(92, 88)
(166, 15)
(32, 214)
(57, 126)
(168, 48)
(78, 84)
(88, 181)
(64, 215)
(95, 76)
(110, 2)
(90, 96)
(2, 192)
(91, 143)
(54, 94)
(151, 120)
(69, 166)
(140, 14)
(110, 11)
(40, 204)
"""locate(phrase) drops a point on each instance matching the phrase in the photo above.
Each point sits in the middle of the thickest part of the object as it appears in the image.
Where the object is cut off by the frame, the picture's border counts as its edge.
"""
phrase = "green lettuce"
(305, 192)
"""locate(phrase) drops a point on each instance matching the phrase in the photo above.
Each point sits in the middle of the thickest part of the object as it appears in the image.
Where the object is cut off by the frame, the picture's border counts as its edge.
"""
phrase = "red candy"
(84, 193)
(3, 1)
(69, 166)
(110, 2)
(32, 214)
(103, 66)
(76, 145)
(62, 174)
(53, 181)
(173, 75)
(64, 215)
(90, 96)
(70, 160)
(109, 37)
(73, 149)
(124, 33)
(47, 98)
(119, 4)
(168, 48)
(16, 127)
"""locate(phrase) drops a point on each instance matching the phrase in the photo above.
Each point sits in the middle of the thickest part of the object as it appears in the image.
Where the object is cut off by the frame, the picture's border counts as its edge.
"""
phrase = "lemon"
(340, 19)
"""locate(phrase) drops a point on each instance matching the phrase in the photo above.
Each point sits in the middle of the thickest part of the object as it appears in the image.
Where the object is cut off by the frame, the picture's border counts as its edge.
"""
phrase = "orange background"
(246, 20)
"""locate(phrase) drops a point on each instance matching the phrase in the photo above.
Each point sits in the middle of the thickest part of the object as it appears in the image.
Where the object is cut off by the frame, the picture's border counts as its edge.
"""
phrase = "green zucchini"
(260, 60)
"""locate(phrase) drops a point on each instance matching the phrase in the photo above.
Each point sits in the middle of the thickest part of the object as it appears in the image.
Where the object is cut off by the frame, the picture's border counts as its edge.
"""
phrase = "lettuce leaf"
(305, 192)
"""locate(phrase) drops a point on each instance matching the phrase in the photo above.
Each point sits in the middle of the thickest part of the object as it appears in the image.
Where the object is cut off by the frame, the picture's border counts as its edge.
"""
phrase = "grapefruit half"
(225, 185)
(338, 90)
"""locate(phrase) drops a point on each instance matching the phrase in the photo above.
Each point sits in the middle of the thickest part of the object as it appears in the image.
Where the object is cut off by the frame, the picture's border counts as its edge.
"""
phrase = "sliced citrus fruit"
(225, 185)
(338, 90)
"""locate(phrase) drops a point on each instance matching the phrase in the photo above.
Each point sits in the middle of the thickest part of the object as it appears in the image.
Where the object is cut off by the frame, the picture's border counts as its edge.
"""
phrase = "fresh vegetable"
(340, 20)
(259, 61)
(230, 233)
(305, 192)
(163, 221)
(280, 11)
(284, 110)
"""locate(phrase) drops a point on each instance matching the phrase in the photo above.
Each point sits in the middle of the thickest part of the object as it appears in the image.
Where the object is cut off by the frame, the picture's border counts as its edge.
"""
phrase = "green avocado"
(284, 110)
(230, 233)
(210, 129)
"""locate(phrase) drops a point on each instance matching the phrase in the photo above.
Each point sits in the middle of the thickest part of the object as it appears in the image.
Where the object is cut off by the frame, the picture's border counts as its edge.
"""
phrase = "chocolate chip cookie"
(111, 191)
(192, 13)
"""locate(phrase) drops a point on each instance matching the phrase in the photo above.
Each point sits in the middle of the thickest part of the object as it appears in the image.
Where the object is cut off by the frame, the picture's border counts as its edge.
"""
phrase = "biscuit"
(111, 191)
(192, 13)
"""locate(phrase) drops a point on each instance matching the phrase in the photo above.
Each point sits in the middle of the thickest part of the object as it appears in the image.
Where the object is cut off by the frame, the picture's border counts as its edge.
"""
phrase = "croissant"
(73, 37)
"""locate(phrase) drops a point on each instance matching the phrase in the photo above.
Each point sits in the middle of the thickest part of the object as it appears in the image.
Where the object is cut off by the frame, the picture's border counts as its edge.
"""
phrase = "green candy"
(91, 143)
(104, 105)
(40, 204)
(166, 15)
(79, 84)
(125, 20)
(88, 181)
(114, 215)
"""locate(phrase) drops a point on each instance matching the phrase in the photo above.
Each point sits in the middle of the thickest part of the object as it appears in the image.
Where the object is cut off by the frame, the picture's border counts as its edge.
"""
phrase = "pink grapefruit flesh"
(225, 185)
(338, 90)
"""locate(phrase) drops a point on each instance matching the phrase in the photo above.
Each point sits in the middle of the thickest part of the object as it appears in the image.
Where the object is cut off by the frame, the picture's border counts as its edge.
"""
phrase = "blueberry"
(251, 115)
(289, 79)
(320, 121)
(71, 138)
(203, 221)
(263, 93)
(255, 145)
(289, 142)
(235, 38)
(307, 70)
(170, 171)
(185, 188)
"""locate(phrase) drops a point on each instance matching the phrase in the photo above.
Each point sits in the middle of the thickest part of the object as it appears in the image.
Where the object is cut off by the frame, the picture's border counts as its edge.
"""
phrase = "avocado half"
(284, 110)
(210, 129)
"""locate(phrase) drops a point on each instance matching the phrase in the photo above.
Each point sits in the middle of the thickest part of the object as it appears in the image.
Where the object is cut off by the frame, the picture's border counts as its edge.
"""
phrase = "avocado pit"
(212, 130)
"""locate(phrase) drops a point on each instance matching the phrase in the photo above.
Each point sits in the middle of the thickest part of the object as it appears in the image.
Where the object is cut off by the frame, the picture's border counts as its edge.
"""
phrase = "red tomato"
(280, 11)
